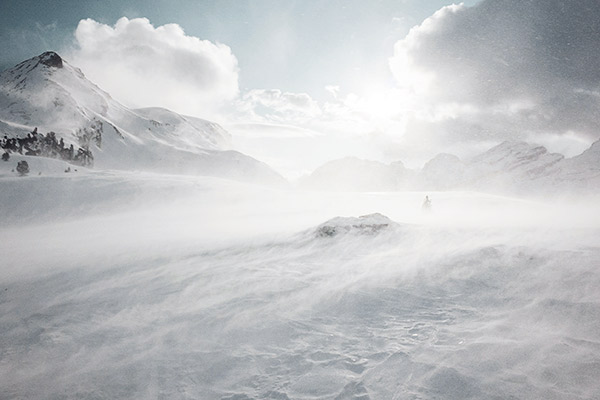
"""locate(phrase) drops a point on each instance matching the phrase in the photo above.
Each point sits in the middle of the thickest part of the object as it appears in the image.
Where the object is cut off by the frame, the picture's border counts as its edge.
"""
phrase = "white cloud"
(503, 69)
(273, 105)
(295, 133)
(466, 79)
(404, 65)
(348, 114)
(142, 66)
(334, 90)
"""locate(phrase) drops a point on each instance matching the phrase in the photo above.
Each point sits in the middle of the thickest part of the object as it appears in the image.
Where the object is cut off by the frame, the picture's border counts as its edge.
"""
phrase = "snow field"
(131, 285)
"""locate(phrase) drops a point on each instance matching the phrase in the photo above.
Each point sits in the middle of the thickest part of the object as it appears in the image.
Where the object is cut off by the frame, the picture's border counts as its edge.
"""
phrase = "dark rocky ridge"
(51, 59)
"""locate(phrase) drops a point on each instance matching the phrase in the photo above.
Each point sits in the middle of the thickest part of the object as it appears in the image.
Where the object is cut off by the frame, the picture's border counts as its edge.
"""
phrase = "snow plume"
(144, 66)
(504, 69)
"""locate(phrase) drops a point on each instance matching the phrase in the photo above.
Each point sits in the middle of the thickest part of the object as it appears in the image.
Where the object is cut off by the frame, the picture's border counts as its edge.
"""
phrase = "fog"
(134, 285)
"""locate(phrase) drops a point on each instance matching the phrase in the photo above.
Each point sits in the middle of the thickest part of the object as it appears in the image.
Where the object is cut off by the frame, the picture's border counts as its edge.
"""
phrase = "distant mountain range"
(510, 167)
(47, 93)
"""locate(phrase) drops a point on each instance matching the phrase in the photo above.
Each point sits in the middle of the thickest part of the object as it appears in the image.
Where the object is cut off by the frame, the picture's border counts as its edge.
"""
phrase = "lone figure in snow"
(426, 204)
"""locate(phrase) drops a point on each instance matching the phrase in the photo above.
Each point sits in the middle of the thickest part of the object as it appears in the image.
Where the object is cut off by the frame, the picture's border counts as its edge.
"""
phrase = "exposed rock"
(51, 59)
(370, 224)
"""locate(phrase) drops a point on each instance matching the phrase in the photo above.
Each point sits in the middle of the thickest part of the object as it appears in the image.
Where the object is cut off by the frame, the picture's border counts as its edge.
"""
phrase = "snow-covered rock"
(48, 93)
(364, 225)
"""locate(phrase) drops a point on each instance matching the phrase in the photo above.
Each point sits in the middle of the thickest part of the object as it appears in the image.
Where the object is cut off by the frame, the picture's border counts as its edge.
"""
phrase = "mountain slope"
(581, 172)
(354, 174)
(48, 93)
(510, 167)
(444, 171)
(517, 157)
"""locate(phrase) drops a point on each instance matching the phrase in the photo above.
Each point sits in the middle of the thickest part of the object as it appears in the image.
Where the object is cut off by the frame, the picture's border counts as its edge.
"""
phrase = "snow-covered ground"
(142, 285)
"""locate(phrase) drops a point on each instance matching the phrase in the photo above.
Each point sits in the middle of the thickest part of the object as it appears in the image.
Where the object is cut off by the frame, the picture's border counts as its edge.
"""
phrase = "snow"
(37, 166)
(371, 224)
(354, 174)
(166, 272)
(581, 172)
(62, 100)
(514, 168)
(187, 128)
(121, 284)
(516, 165)
(444, 171)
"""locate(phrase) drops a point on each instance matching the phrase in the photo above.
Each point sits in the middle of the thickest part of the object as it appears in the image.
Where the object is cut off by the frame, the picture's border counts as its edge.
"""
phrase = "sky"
(294, 46)
(388, 80)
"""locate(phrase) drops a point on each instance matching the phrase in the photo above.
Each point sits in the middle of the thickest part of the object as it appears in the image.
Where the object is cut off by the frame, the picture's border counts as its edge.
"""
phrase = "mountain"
(581, 172)
(442, 172)
(48, 93)
(354, 174)
(510, 167)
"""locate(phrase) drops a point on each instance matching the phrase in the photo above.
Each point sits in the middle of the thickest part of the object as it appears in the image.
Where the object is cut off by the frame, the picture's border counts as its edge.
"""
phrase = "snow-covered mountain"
(581, 172)
(510, 167)
(444, 171)
(48, 93)
(354, 174)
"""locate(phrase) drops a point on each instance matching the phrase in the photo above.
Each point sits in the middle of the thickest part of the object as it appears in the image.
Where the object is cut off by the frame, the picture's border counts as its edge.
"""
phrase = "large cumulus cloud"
(141, 65)
(502, 69)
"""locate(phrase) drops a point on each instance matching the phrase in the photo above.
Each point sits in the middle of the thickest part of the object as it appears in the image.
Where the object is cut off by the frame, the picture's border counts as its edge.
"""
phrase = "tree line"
(38, 144)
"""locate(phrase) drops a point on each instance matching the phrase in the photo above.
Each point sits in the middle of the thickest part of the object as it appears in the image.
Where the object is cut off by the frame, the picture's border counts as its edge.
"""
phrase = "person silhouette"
(426, 204)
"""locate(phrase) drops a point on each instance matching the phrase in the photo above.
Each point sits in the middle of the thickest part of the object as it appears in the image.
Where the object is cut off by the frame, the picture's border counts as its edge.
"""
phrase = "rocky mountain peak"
(51, 59)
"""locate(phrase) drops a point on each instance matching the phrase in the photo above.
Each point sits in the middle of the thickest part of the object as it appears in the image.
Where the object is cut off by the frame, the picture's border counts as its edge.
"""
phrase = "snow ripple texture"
(412, 311)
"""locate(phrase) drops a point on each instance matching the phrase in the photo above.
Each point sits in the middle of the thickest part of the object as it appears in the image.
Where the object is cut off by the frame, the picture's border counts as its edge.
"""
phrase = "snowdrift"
(155, 301)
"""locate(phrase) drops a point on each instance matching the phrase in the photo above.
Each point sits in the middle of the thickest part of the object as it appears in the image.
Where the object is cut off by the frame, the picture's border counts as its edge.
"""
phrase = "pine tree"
(22, 168)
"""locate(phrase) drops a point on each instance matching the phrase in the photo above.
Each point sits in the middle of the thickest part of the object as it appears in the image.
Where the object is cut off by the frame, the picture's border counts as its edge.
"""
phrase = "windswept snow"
(143, 285)
(166, 272)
